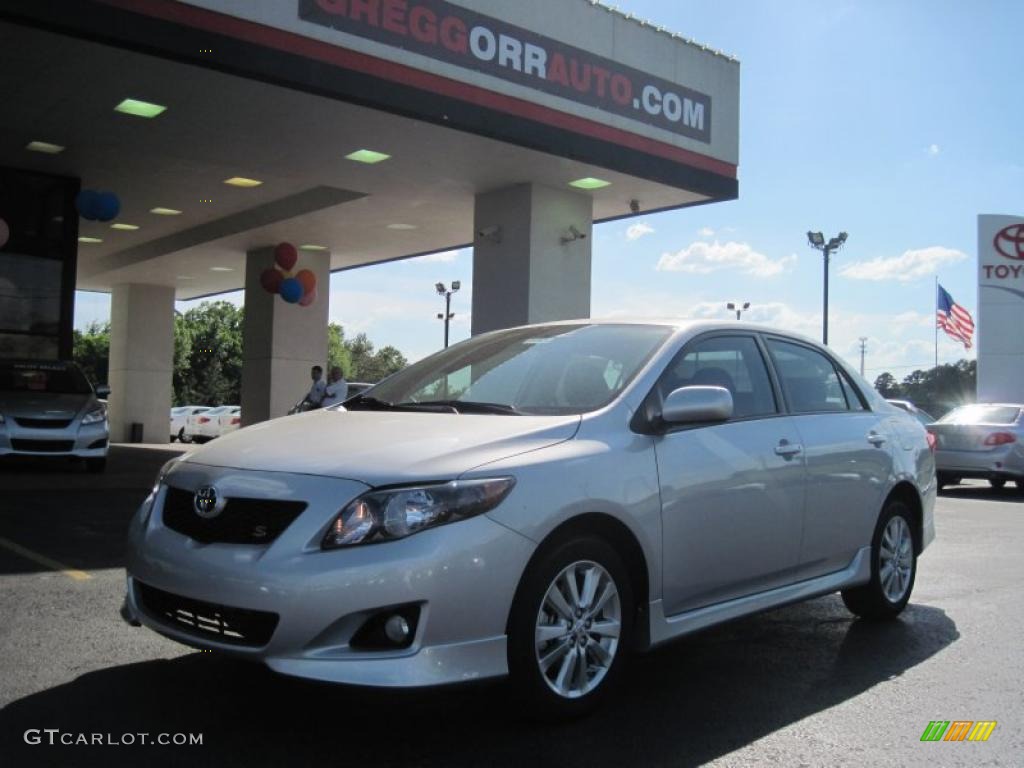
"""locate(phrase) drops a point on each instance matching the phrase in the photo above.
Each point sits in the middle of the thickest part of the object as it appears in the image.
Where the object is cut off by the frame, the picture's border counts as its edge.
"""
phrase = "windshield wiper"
(463, 406)
(371, 403)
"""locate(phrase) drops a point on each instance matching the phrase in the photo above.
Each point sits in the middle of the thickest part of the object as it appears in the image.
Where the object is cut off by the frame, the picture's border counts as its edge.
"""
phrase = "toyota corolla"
(539, 502)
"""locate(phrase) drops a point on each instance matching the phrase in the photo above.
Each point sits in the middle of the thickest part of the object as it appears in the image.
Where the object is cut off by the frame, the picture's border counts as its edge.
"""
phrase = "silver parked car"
(540, 502)
(981, 441)
(49, 408)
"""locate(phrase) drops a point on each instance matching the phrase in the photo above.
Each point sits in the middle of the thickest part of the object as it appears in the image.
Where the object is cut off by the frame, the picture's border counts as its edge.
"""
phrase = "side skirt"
(665, 628)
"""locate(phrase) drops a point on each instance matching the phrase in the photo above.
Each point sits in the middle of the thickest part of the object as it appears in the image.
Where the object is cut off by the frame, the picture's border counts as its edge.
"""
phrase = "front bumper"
(84, 441)
(462, 576)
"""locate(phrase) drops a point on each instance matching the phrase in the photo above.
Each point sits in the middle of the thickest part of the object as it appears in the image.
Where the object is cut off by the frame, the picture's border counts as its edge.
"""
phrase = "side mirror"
(697, 405)
(102, 391)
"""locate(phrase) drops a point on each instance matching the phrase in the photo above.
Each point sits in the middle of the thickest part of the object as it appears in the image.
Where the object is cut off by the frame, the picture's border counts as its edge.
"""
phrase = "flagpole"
(935, 318)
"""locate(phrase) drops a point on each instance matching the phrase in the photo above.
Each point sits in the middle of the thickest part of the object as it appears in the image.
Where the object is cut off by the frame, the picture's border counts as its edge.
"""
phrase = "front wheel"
(570, 629)
(997, 483)
(893, 567)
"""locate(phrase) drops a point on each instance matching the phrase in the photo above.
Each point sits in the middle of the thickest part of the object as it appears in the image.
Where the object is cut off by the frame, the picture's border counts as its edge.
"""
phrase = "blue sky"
(898, 122)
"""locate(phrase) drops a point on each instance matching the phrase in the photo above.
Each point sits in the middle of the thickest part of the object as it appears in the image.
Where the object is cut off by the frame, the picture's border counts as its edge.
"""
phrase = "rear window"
(50, 378)
(982, 414)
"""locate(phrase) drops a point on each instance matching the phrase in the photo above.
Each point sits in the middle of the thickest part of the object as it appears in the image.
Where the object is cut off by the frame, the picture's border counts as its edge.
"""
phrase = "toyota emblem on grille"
(207, 503)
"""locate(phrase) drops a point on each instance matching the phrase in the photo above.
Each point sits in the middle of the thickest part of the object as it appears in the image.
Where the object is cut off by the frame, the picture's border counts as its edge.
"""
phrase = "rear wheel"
(570, 629)
(893, 567)
(182, 437)
(997, 482)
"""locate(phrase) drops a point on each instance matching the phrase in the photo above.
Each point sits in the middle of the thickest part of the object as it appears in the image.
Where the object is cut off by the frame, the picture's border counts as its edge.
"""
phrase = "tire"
(96, 466)
(997, 482)
(564, 691)
(880, 598)
(182, 437)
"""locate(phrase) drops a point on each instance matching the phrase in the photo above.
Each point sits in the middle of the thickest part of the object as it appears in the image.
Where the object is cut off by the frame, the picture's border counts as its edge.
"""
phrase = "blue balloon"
(107, 206)
(291, 290)
(87, 204)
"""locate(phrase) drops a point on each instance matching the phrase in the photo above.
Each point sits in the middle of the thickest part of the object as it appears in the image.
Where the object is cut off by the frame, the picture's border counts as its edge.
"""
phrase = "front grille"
(43, 423)
(243, 521)
(42, 446)
(208, 621)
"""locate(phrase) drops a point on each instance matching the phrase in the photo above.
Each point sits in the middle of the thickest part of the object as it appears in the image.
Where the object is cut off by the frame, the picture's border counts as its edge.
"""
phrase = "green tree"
(887, 385)
(208, 354)
(337, 351)
(91, 351)
(370, 366)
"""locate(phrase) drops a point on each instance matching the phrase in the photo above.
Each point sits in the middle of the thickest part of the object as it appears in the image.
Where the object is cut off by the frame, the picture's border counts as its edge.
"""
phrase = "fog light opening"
(388, 629)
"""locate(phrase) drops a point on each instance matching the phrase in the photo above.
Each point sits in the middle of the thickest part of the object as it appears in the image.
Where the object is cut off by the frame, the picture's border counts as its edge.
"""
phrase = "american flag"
(953, 319)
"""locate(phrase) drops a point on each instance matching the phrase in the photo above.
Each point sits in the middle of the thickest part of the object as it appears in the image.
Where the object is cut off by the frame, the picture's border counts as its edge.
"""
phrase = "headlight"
(95, 416)
(399, 512)
(147, 505)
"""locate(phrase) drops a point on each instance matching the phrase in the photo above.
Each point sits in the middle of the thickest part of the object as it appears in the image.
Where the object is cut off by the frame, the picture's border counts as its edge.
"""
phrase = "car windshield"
(553, 369)
(982, 414)
(54, 379)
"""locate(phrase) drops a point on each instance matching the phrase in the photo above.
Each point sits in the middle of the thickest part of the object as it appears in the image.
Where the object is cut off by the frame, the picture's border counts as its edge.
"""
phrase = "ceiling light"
(90, 240)
(221, 269)
(124, 227)
(589, 182)
(139, 108)
(165, 211)
(312, 247)
(45, 147)
(402, 227)
(241, 181)
(367, 156)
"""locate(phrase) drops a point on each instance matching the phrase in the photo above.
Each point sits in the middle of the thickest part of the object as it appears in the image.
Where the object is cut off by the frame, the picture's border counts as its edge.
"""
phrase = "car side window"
(853, 400)
(809, 379)
(733, 362)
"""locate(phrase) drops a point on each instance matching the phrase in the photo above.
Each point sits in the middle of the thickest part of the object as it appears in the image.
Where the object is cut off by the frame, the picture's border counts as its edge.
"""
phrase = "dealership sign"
(1008, 243)
(483, 44)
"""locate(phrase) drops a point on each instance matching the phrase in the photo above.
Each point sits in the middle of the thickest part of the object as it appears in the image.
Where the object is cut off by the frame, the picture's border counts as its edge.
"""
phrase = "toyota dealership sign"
(1000, 308)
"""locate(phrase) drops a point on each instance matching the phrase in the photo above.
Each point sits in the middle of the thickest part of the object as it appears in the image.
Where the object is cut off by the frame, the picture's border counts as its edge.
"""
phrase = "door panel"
(732, 510)
(847, 475)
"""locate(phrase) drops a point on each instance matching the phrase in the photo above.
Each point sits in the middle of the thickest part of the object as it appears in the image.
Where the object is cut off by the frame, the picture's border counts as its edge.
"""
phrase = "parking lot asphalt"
(804, 685)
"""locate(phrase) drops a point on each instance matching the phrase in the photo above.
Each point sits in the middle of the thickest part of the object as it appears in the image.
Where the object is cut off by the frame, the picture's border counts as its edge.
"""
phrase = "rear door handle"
(876, 439)
(787, 449)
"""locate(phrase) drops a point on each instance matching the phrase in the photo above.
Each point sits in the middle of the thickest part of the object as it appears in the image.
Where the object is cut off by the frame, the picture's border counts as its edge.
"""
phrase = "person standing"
(337, 387)
(315, 397)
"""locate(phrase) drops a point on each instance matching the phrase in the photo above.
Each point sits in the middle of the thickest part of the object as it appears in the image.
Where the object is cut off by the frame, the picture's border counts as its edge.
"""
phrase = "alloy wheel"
(896, 559)
(578, 628)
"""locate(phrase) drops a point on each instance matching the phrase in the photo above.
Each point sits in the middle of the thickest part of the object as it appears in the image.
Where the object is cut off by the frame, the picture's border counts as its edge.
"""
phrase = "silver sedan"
(539, 502)
(983, 441)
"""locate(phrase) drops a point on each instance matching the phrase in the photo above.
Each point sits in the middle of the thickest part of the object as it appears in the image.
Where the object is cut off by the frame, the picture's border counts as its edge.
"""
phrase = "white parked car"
(229, 420)
(207, 425)
(179, 421)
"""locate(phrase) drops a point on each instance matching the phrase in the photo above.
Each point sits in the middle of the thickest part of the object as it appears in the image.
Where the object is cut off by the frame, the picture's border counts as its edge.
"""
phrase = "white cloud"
(703, 258)
(911, 265)
(636, 231)
(933, 149)
(706, 232)
(442, 257)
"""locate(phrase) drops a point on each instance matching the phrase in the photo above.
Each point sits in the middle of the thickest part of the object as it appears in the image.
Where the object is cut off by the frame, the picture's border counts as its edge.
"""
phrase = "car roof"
(694, 326)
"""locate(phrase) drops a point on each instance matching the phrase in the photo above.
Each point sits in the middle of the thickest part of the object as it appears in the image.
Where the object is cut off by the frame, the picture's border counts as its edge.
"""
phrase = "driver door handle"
(787, 449)
(876, 439)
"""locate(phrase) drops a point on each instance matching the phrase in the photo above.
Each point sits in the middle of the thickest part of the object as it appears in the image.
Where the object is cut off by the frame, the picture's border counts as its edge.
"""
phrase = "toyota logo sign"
(207, 503)
(1009, 242)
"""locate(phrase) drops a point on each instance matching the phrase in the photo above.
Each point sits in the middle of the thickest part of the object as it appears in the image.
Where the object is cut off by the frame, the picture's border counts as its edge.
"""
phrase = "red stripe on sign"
(290, 42)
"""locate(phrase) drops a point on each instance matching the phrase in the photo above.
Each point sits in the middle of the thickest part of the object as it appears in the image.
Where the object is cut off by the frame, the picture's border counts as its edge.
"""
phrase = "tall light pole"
(448, 314)
(739, 310)
(817, 241)
(863, 349)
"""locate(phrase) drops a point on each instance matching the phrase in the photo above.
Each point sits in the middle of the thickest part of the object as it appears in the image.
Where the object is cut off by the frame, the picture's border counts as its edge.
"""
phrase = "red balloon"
(308, 280)
(285, 255)
(271, 279)
(308, 298)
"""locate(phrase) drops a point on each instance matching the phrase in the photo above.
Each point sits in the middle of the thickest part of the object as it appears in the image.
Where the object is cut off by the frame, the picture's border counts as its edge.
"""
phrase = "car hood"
(42, 404)
(383, 447)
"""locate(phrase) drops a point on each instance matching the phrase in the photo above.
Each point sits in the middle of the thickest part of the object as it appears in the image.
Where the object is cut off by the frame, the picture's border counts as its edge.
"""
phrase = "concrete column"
(526, 267)
(141, 360)
(281, 341)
